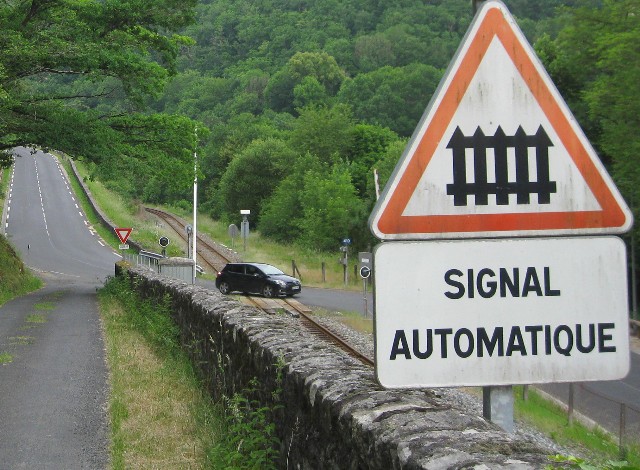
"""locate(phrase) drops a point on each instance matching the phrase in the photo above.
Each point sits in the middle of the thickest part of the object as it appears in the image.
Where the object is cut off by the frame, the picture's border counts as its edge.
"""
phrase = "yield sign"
(498, 153)
(123, 234)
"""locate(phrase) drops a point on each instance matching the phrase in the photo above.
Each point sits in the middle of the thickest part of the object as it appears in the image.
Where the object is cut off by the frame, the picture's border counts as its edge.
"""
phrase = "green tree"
(368, 146)
(280, 92)
(331, 208)
(324, 132)
(385, 165)
(393, 97)
(252, 176)
(309, 92)
(57, 57)
(227, 140)
(595, 61)
(282, 215)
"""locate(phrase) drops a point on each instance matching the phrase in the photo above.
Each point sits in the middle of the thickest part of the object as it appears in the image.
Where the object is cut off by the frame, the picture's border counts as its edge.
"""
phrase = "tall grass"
(15, 278)
(146, 230)
(161, 415)
(596, 445)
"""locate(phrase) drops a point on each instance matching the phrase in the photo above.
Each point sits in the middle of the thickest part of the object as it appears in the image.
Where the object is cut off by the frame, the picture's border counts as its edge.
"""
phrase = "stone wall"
(334, 414)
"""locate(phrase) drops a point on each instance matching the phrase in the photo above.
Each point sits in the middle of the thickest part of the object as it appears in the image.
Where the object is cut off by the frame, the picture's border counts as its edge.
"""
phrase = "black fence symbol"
(523, 186)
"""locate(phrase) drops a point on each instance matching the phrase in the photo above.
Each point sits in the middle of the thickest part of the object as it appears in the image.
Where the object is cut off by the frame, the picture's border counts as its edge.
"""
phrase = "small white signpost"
(498, 154)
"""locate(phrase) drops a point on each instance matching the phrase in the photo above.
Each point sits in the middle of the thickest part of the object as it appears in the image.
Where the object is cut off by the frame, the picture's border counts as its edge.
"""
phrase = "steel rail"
(334, 338)
(208, 253)
(315, 327)
(329, 335)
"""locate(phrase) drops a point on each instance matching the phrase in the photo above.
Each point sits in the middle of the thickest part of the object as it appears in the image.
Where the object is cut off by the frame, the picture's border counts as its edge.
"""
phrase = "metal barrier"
(145, 259)
(621, 418)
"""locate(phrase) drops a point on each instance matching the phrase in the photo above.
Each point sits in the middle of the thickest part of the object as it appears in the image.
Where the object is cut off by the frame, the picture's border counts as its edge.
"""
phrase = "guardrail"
(628, 429)
(144, 259)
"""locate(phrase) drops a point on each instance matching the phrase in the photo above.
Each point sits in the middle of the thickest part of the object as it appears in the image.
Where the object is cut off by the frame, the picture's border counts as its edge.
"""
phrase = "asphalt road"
(53, 393)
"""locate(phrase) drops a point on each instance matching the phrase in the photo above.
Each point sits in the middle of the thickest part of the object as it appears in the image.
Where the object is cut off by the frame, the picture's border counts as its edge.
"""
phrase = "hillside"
(304, 100)
(296, 108)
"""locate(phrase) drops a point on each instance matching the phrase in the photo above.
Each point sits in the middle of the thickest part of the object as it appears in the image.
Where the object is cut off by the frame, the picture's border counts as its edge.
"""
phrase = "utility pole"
(195, 204)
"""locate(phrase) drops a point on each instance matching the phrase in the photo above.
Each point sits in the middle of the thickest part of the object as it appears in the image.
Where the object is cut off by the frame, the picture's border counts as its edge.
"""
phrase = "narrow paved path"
(53, 392)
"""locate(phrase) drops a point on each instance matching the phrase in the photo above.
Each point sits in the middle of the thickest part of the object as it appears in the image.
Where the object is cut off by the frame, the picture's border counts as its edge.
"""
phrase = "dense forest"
(295, 102)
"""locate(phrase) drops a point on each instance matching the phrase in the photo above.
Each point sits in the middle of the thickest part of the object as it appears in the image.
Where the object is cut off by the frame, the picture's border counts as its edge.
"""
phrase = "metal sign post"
(163, 242)
(365, 263)
(233, 233)
(344, 259)
(189, 230)
(244, 227)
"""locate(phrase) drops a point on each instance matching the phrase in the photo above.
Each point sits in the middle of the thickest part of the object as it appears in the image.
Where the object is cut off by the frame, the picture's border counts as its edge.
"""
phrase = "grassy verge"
(121, 212)
(155, 403)
(5, 174)
(161, 417)
(15, 278)
(596, 445)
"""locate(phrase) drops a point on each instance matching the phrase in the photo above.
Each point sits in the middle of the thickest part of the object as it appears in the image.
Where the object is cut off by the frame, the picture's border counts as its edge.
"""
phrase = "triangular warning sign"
(498, 152)
(123, 234)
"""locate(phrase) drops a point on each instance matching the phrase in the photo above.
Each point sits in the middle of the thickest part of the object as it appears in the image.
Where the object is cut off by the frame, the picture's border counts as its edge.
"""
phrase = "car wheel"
(267, 291)
(224, 287)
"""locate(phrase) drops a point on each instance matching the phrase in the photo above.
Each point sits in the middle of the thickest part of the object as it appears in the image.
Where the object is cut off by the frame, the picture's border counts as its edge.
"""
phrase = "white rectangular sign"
(500, 312)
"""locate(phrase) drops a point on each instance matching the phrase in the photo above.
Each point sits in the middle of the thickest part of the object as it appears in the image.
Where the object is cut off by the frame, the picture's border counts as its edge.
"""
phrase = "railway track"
(214, 256)
(297, 309)
(210, 255)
